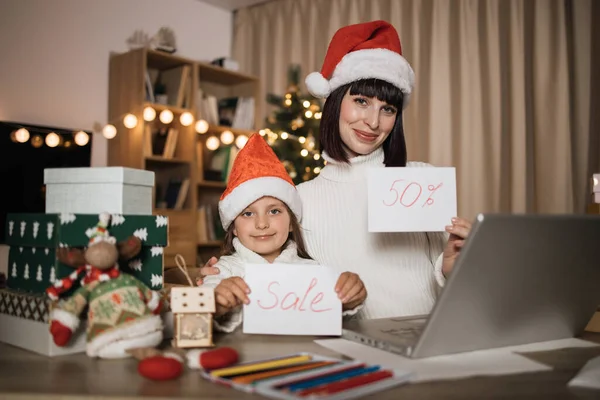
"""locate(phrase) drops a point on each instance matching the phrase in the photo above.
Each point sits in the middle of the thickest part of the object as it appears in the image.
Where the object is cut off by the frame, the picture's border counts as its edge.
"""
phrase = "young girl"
(261, 212)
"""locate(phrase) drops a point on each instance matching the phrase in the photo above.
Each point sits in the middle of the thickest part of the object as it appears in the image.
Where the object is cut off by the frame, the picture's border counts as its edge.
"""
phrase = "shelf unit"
(127, 94)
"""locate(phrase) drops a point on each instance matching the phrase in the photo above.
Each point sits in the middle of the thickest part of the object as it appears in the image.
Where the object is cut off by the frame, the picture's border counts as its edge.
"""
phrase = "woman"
(367, 83)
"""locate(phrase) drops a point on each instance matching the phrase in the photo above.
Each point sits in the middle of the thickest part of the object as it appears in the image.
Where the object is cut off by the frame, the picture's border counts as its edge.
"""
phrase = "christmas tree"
(292, 130)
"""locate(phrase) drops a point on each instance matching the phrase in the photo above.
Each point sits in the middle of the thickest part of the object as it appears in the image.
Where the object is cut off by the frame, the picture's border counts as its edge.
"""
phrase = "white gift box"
(116, 190)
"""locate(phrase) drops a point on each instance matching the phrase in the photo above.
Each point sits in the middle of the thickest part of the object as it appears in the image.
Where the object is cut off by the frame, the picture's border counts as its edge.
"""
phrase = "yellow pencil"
(240, 369)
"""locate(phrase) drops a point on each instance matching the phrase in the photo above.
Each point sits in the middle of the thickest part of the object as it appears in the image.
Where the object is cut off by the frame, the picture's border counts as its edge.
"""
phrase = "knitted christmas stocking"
(169, 365)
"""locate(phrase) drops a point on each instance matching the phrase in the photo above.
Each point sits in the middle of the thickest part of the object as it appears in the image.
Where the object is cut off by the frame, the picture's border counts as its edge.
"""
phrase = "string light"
(227, 137)
(186, 119)
(241, 141)
(284, 135)
(130, 121)
(317, 156)
(109, 131)
(201, 126)
(306, 103)
(37, 141)
(317, 170)
(308, 114)
(22, 135)
(212, 143)
(149, 114)
(304, 152)
(166, 116)
(318, 115)
(81, 138)
(52, 140)
(262, 132)
(302, 139)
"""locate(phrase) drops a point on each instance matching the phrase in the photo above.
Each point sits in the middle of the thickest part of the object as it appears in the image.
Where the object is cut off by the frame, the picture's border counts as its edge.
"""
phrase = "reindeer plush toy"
(123, 313)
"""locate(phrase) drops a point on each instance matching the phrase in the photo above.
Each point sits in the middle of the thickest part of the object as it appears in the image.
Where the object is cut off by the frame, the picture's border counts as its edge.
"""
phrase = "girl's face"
(365, 123)
(264, 227)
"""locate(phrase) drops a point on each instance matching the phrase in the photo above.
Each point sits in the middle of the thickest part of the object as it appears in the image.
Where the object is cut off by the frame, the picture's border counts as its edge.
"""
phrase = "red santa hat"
(256, 173)
(363, 51)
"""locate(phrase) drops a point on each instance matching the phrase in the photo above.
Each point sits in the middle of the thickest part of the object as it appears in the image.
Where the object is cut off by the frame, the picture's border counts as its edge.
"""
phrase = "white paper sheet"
(503, 361)
(289, 299)
(411, 199)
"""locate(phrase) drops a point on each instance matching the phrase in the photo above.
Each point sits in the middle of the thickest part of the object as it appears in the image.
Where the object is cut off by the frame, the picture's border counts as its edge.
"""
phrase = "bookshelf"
(179, 160)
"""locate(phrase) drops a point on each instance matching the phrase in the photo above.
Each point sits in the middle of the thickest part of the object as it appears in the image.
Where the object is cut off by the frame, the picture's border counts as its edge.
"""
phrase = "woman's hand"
(208, 269)
(351, 290)
(459, 231)
(229, 294)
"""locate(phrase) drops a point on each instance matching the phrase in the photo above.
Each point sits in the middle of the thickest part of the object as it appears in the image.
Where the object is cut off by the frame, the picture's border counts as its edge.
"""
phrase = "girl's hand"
(459, 231)
(208, 269)
(351, 290)
(229, 294)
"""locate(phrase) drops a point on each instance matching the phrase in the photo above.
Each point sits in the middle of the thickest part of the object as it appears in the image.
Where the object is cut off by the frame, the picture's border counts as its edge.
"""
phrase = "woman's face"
(365, 123)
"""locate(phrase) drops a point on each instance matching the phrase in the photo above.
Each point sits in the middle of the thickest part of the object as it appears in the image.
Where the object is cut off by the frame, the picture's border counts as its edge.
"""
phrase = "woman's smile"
(365, 136)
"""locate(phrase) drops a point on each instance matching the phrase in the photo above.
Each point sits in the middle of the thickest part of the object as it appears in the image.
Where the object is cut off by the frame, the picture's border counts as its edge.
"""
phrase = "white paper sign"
(292, 299)
(411, 199)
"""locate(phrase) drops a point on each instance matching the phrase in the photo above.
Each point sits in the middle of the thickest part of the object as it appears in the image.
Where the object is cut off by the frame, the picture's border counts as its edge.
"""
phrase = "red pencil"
(335, 387)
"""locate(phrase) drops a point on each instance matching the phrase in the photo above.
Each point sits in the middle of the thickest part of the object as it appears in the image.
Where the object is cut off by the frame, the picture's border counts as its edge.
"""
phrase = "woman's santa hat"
(256, 173)
(363, 51)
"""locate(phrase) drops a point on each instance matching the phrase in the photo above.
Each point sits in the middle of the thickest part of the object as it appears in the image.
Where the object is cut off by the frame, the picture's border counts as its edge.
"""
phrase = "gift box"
(34, 238)
(24, 323)
(116, 190)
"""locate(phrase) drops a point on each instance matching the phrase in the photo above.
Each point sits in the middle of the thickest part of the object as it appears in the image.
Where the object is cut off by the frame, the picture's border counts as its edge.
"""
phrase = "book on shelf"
(175, 194)
(176, 81)
(236, 112)
(221, 163)
(206, 107)
(208, 224)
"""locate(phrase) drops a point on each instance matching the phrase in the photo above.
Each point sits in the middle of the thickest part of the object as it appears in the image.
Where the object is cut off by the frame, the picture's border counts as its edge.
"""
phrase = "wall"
(54, 68)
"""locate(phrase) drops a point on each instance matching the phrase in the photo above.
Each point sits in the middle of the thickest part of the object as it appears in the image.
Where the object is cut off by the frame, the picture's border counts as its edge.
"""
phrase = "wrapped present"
(24, 323)
(116, 190)
(34, 238)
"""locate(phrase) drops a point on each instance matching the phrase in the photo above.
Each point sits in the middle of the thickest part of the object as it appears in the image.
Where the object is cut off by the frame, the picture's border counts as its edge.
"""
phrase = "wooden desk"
(27, 375)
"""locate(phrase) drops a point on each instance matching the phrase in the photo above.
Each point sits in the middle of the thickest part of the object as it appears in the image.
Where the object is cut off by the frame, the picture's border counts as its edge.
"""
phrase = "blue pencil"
(309, 383)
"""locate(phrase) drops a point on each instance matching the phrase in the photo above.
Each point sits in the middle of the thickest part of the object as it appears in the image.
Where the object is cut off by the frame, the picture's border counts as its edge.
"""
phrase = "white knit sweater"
(401, 271)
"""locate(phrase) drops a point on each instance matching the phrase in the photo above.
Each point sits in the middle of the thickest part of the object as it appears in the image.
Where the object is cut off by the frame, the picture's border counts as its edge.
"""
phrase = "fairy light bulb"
(166, 116)
(306, 103)
(201, 126)
(302, 139)
(186, 119)
(212, 143)
(262, 132)
(37, 141)
(241, 141)
(130, 121)
(284, 135)
(318, 115)
(317, 170)
(52, 140)
(149, 114)
(227, 137)
(109, 131)
(288, 102)
(81, 138)
(304, 152)
(308, 114)
(22, 135)
(317, 156)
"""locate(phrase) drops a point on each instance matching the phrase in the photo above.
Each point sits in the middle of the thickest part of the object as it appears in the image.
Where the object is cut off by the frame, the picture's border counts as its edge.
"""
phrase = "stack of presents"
(75, 197)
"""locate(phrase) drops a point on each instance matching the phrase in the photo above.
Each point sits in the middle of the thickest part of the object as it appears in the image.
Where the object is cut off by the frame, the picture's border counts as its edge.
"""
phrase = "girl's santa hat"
(256, 173)
(363, 51)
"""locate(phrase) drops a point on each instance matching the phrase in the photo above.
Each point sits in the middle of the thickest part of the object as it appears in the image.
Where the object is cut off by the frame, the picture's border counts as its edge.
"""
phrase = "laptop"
(519, 279)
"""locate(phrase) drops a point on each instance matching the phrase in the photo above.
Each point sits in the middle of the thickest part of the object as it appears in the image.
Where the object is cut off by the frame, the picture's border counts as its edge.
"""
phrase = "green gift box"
(34, 238)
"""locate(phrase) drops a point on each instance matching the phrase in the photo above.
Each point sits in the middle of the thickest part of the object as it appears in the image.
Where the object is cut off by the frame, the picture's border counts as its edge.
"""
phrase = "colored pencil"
(318, 381)
(261, 365)
(336, 387)
(252, 378)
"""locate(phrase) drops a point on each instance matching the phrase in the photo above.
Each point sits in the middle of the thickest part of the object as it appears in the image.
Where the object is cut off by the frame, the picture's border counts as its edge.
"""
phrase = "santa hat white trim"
(253, 189)
(381, 64)
(138, 328)
(66, 318)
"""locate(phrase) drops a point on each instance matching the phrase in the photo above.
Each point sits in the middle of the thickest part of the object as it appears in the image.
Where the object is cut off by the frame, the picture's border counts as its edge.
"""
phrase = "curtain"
(506, 90)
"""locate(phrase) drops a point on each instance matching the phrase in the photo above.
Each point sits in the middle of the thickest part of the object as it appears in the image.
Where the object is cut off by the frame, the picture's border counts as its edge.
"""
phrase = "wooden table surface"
(28, 375)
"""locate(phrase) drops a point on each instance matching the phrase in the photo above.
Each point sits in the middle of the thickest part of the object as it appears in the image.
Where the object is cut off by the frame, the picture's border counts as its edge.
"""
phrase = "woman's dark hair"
(295, 235)
(394, 147)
